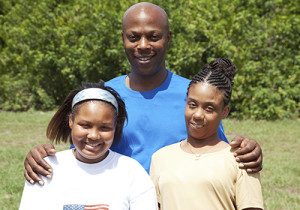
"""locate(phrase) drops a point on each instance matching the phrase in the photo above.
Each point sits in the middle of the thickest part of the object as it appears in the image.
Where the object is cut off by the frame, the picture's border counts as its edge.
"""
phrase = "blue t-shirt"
(155, 118)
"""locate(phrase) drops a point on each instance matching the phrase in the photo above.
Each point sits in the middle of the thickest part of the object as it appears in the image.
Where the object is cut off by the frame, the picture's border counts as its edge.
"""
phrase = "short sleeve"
(248, 190)
(142, 191)
(154, 175)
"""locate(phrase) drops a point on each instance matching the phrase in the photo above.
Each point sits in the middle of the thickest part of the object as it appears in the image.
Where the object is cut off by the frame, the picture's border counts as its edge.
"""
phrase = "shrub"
(48, 47)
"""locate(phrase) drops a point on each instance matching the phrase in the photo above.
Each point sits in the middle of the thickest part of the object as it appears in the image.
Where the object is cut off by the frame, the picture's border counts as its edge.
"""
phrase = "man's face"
(146, 38)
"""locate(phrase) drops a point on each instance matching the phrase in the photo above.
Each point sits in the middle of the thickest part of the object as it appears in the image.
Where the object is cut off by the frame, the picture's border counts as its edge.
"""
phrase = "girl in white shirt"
(91, 176)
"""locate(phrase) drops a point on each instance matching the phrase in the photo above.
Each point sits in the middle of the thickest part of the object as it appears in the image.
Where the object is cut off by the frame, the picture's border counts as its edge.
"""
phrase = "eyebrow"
(211, 103)
(206, 103)
(104, 123)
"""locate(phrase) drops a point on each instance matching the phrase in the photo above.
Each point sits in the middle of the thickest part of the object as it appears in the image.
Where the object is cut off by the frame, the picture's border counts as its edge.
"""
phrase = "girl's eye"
(105, 128)
(84, 125)
(209, 109)
(192, 105)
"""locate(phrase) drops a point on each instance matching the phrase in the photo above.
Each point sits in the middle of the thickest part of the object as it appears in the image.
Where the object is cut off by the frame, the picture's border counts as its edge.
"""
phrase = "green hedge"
(48, 47)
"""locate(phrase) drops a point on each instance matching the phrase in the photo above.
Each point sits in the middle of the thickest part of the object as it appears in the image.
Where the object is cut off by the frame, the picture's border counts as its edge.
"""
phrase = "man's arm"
(249, 154)
(35, 164)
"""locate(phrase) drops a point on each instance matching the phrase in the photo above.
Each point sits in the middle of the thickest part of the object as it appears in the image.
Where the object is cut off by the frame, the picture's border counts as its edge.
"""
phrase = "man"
(154, 98)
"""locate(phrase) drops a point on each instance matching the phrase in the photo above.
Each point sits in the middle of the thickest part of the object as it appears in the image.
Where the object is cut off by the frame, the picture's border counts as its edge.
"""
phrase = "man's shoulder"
(178, 82)
(178, 77)
(115, 81)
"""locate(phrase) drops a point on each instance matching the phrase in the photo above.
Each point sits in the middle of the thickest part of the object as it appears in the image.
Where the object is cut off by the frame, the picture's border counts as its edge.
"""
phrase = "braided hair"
(219, 73)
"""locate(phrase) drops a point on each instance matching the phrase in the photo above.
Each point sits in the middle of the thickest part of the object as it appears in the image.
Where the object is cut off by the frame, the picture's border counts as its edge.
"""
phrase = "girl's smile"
(204, 111)
(93, 128)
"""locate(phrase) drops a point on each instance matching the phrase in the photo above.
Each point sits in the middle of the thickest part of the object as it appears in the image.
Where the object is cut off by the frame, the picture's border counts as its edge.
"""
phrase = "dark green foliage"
(48, 47)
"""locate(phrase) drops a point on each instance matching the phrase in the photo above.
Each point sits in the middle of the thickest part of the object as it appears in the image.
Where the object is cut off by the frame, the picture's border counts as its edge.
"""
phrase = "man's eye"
(155, 37)
(132, 38)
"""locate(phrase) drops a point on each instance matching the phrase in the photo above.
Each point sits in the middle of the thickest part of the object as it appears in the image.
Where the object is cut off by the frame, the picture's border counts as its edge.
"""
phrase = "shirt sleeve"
(248, 190)
(154, 175)
(31, 197)
(142, 195)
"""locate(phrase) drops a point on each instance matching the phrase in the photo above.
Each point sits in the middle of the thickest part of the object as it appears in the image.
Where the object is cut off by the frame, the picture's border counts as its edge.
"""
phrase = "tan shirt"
(213, 181)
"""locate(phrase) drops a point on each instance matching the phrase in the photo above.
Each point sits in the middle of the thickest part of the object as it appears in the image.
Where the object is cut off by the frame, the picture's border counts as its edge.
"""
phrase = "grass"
(280, 140)
(19, 132)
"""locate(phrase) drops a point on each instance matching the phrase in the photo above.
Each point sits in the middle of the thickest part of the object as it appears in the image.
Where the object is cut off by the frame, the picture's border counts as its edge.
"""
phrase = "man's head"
(146, 37)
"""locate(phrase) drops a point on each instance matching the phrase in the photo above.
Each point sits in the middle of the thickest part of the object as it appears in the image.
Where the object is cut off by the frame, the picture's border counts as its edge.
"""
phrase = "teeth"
(145, 59)
(198, 126)
(93, 145)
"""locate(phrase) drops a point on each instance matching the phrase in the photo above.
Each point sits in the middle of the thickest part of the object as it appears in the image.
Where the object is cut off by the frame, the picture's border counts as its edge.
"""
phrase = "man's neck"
(145, 83)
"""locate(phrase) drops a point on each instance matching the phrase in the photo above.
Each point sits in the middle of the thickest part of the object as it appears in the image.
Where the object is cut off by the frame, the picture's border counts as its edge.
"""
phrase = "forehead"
(94, 107)
(145, 17)
(205, 92)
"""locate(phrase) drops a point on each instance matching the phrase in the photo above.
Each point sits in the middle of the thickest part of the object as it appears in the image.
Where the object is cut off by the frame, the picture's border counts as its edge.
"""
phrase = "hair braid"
(219, 73)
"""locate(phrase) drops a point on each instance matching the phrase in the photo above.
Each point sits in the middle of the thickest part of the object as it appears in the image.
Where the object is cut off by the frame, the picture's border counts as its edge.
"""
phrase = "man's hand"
(35, 164)
(249, 155)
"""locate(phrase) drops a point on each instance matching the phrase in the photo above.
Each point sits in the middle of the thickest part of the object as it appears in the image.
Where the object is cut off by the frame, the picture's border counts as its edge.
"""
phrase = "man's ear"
(122, 36)
(169, 38)
(70, 121)
(225, 112)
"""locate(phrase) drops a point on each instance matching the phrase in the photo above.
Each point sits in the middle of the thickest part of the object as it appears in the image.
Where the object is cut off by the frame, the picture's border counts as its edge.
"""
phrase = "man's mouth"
(148, 58)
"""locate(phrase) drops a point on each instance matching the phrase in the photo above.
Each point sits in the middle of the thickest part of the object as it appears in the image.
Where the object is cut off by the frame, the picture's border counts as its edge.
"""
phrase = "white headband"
(95, 93)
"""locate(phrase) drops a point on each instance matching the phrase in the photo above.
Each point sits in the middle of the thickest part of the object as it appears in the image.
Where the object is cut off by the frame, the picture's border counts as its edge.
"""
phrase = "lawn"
(280, 141)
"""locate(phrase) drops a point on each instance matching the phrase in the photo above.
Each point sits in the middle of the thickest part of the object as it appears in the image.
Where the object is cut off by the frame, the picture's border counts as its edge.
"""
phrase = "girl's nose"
(94, 134)
(199, 114)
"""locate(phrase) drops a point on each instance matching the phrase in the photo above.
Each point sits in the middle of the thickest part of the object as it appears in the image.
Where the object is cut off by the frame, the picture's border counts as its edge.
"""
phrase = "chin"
(91, 156)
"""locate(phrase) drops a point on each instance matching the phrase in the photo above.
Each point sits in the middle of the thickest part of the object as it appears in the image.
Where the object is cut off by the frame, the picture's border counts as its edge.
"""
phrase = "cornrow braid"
(219, 73)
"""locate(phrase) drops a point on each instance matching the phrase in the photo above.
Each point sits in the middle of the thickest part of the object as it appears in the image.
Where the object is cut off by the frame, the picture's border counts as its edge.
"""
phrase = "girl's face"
(204, 111)
(93, 130)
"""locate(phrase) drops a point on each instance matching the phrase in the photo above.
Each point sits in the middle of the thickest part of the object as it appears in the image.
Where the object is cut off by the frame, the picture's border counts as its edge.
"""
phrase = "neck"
(143, 83)
(209, 141)
(205, 149)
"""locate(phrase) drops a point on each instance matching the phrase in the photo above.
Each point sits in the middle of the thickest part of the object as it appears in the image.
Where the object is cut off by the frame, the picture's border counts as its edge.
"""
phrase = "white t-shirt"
(116, 183)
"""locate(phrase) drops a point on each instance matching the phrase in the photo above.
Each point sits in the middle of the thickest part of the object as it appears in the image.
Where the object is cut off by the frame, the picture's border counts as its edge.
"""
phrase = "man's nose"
(143, 44)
